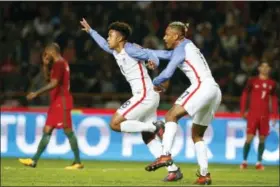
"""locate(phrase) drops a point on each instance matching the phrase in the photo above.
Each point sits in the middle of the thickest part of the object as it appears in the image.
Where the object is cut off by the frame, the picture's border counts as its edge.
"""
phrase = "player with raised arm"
(260, 90)
(138, 114)
(200, 100)
(59, 112)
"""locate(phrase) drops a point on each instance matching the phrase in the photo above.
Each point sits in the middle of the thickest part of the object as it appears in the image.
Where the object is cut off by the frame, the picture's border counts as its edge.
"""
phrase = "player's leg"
(207, 104)
(252, 123)
(261, 148)
(68, 131)
(201, 154)
(155, 147)
(171, 118)
(75, 148)
(126, 119)
(263, 133)
(246, 149)
(47, 131)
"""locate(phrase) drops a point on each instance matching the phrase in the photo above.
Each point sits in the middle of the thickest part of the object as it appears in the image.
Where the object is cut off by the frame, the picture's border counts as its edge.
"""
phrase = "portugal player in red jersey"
(260, 90)
(59, 113)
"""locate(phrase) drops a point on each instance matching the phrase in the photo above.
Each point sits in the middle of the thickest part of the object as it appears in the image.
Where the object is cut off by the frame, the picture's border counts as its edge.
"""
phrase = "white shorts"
(201, 101)
(141, 107)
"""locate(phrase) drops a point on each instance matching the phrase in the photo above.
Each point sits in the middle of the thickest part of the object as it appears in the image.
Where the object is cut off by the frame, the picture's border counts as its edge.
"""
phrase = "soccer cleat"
(259, 166)
(203, 180)
(244, 165)
(163, 160)
(28, 162)
(173, 176)
(159, 128)
(75, 166)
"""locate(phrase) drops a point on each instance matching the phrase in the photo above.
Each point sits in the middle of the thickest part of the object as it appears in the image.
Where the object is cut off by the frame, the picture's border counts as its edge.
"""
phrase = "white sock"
(137, 126)
(201, 154)
(168, 137)
(155, 148)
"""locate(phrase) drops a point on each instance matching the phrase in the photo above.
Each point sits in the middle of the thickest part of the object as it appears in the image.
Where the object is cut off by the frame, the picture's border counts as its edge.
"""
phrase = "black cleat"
(159, 128)
(173, 176)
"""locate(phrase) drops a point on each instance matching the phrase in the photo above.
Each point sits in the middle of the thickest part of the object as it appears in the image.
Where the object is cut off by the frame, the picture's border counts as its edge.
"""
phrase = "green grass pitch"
(99, 173)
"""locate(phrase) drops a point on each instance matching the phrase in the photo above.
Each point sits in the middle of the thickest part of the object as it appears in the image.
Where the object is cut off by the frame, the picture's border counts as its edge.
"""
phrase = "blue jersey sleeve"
(140, 53)
(100, 41)
(162, 54)
(177, 58)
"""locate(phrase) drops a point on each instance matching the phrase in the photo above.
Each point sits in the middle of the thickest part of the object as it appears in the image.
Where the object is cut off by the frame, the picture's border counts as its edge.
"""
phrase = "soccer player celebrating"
(200, 100)
(59, 113)
(260, 89)
(138, 114)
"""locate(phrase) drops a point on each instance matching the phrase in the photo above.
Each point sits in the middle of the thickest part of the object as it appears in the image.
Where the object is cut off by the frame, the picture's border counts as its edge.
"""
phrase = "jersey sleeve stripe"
(144, 87)
(198, 81)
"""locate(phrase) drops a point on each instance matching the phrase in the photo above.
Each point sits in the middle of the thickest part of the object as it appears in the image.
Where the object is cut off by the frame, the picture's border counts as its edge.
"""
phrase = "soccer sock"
(42, 146)
(168, 137)
(201, 154)
(74, 145)
(137, 126)
(260, 151)
(155, 148)
(246, 150)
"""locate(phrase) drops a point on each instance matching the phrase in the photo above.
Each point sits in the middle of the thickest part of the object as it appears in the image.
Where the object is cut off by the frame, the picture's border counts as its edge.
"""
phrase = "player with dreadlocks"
(200, 100)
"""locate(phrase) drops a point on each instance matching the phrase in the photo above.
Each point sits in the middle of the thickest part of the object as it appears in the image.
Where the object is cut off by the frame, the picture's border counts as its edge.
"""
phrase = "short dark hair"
(54, 46)
(121, 27)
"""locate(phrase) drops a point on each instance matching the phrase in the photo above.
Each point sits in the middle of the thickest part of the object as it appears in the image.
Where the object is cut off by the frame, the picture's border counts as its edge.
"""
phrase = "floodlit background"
(233, 36)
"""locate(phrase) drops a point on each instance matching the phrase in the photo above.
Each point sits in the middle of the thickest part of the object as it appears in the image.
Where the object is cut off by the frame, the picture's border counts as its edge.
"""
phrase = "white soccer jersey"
(134, 71)
(143, 105)
(195, 66)
(202, 98)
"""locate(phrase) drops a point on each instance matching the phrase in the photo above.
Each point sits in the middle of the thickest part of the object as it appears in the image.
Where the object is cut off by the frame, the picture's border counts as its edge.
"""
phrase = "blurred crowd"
(233, 36)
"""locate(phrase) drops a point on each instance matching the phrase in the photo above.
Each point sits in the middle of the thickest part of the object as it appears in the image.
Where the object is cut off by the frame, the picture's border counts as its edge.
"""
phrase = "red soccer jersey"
(260, 92)
(61, 95)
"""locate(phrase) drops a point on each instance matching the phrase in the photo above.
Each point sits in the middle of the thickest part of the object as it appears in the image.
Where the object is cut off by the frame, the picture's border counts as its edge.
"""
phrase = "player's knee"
(249, 138)
(248, 141)
(148, 137)
(197, 135)
(262, 139)
(47, 130)
(170, 116)
(115, 126)
(197, 138)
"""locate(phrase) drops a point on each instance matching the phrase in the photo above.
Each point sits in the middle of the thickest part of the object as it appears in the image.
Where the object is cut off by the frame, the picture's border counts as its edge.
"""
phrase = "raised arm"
(97, 37)
(177, 58)
(140, 53)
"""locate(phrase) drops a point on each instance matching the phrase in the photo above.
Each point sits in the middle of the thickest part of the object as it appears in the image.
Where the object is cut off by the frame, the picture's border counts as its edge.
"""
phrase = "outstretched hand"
(85, 25)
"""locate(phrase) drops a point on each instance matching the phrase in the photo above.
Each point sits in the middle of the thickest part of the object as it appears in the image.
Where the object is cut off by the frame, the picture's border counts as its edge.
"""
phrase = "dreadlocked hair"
(180, 26)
